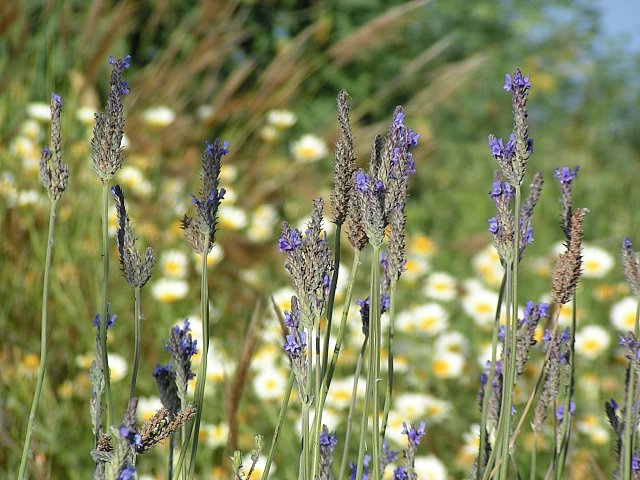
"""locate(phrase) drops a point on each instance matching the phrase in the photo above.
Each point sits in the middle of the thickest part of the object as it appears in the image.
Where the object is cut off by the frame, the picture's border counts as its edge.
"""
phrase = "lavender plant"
(107, 159)
(54, 176)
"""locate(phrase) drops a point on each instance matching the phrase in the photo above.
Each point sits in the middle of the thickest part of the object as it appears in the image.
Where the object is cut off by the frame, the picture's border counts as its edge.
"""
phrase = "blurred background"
(264, 75)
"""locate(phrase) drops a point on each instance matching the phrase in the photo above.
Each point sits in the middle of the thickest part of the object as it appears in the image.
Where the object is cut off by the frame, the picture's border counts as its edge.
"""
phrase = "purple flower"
(295, 345)
(413, 434)
(131, 435)
(365, 470)
(518, 82)
(528, 236)
(496, 146)
(290, 244)
(128, 473)
(57, 99)
(400, 474)
(110, 322)
(560, 411)
(626, 243)
(493, 225)
(122, 62)
(362, 181)
(543, 310)
(511, 146)
(565, 175)
(328, 440)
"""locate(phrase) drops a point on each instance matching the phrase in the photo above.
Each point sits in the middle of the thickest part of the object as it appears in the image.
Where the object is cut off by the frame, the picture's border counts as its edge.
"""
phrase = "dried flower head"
(344, 160)
(630, 266)
(108, 130)
(566, 177)
(54, 174)
(197, 229)
(136, 270)
(568, 267)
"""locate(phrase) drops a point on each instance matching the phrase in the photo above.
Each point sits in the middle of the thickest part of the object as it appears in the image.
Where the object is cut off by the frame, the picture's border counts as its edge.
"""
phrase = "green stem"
(560, 455)
(480, 466)
(136, 339)
(105, 306)
(625, 458)
(44, 335)
(332, 296)
(374, 319)
(390, 336)
(276, 433)
(352, 407)
(512, 320)
(364, 423)
(202, 376)
(534, 448)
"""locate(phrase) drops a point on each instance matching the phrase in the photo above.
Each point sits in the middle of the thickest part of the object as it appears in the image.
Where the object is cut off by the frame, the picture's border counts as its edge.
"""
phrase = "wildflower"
(447, 365)
(85, 115)
(344, 163)
(430, 318)
(232, 218)
(214, 257)
(327, 443)
(452, 342)
(182, 347)
(486, 263)
(135, 269)
(169, 290)
(415, 268)
(623, 314)
(309, 148)
(440, 286)
(565, 175)
(204, 225)
(568, 268)
(108, 130)
(159, 116)
(258, 467)
(118, 367)
(339, 395)
(630, 266)
(31, 129)
(54, 174)
(261, 225)
(133, 178)
(430, 467)
(481, 305)
(591, 341)
(147, 406)
(269, 383)
(174, 263)
(217, 435)
(39, 111)
(282, 119)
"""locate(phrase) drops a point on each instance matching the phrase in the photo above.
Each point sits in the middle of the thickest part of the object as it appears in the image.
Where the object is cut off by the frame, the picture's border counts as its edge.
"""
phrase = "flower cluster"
(109, 127)
(54, 174)
(197, 230)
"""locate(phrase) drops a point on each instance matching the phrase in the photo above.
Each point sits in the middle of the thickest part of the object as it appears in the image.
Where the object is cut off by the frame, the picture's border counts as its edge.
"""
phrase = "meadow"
(237, 115)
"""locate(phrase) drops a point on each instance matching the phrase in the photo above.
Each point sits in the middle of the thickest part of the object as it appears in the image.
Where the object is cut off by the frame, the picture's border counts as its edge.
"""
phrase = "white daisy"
(339, 395)
(414, 268)
(269, 383)
(158, 116)
(118, 367)
(215, 436)
(309, 148)
(39, 111)
(591, 341)
(430, 319)
(452, 341)
(169, 290)
(31, 129)
(281, 119)
(262, 224)
(487, 265)
(430, 467)
(147, 407)
(231, 217)
(440, 286)
(481, 305)
(596, 262)
(174, 263)
(86, 115)
(447, 365)
(134, 179)
(623, 314)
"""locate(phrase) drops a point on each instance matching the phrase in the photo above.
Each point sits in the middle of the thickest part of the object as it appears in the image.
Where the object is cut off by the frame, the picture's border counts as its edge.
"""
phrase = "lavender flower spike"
(54, 174)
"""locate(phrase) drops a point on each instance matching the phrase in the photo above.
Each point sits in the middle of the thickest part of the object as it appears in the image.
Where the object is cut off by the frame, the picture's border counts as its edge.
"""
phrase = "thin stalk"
(105, 308)
(567, 420)
(136, 340)
(511, 370)
(365, 414)
(317, 417)
(202, 376)
(44, 335)
(492, 372)
(304, 460)
(332, 296)
(306, 407)
(625, 459)
(182, 456)
(534, 448)
(276, 433)
(374, 322)
(172, 445)
(352, 407)
(391, 333)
